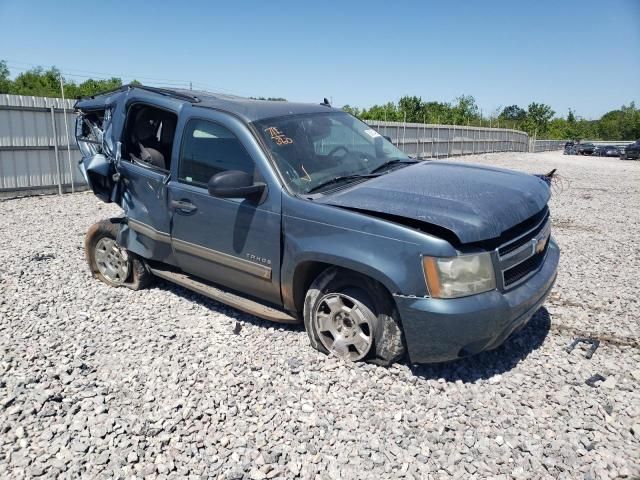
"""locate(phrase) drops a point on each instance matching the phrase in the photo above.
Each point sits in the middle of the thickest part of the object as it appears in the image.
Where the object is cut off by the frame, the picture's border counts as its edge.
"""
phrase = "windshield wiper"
(341, 178)
(395, 161)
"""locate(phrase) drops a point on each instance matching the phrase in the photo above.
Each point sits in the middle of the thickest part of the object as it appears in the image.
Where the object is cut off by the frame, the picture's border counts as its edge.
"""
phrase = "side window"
(208, 149)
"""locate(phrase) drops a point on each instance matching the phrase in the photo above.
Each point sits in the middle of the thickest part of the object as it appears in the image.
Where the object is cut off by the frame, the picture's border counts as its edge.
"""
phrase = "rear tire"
(353, 317)
(110, 263)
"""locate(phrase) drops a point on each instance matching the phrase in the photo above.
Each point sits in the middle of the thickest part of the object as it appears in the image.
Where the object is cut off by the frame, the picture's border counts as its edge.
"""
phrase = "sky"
(578, 54)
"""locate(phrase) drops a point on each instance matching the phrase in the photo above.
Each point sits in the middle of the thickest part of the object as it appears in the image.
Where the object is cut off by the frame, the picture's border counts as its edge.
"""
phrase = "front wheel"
(111, 263)
(352, 317)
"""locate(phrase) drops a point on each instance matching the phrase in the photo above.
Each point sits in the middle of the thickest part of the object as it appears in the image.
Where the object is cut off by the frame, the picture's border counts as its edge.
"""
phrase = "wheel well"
(307, 272)
(304, 275)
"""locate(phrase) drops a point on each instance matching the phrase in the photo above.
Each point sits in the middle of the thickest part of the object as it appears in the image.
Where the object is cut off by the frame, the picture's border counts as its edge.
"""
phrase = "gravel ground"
(109, 383)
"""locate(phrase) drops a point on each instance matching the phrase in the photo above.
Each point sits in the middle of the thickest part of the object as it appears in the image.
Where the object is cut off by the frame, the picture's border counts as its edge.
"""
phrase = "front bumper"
(439, 330)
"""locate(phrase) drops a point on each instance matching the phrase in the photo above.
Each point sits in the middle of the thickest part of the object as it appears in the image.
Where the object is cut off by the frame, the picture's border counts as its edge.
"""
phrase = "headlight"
(459, 276)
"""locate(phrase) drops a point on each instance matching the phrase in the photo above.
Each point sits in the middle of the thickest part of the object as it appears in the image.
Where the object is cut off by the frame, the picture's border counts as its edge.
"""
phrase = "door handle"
(183, 206)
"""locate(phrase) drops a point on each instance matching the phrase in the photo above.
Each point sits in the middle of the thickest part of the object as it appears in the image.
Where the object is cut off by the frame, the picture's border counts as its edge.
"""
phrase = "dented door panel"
(98, 130)
(144, 201)
(98, 162)
(140, 191)
(144, 192)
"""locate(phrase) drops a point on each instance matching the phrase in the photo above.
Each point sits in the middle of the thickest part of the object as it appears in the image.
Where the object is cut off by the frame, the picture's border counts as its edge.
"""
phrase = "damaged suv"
(302, 213)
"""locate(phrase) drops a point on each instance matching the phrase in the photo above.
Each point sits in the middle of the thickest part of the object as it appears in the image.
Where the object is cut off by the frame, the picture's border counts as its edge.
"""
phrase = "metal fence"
(546, 145)
(38, 152)
(436, 141)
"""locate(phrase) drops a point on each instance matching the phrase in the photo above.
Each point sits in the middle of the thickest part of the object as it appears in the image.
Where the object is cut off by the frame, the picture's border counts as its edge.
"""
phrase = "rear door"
(232, 242)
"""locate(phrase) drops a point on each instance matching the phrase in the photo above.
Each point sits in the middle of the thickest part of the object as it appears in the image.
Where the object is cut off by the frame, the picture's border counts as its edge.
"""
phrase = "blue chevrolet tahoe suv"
(302, 213)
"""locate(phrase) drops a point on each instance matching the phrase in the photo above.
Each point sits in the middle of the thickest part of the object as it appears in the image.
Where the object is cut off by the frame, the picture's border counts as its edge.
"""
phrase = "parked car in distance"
(631, 152)
(607, 151)
(585, 148)
(570, 148)
(302, 213)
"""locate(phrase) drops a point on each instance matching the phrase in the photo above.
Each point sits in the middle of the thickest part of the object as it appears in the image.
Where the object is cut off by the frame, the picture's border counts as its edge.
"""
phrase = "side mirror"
(234, 184)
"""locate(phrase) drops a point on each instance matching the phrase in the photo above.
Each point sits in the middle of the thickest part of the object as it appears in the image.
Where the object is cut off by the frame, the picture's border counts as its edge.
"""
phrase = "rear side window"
(208, 149)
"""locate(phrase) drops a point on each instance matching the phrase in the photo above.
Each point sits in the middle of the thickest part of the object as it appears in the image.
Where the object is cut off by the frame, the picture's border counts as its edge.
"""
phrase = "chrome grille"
(521, 257)
(520, 271)
(526, 237)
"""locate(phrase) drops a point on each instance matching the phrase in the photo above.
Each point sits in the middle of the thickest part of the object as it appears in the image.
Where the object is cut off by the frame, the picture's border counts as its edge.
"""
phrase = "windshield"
(313, 149)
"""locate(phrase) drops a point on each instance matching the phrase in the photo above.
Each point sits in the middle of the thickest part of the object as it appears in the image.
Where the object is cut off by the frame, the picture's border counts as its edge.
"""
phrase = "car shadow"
(481, 366)
(219, 307)
(487, 364)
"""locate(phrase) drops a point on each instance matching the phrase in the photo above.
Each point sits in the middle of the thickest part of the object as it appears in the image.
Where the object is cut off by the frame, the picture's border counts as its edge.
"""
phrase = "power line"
(156, 81)
(90, 72)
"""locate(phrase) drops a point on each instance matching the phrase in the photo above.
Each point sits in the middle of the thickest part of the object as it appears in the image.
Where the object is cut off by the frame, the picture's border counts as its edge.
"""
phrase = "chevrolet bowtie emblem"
(541, 242)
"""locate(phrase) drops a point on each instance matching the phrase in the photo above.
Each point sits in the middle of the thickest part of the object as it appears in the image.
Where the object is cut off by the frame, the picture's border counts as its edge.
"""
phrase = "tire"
(353, 317)
(110, 263)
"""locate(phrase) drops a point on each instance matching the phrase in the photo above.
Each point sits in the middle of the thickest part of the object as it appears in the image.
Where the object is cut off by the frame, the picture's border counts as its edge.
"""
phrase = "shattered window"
(90, 130)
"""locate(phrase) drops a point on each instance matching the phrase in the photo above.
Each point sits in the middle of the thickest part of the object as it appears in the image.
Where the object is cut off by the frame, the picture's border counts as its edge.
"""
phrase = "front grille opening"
(502, 251)
(514, 232)
(520, 271)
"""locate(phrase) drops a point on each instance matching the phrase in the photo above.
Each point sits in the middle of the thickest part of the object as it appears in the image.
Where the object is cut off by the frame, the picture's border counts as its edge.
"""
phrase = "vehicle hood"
(473, 202)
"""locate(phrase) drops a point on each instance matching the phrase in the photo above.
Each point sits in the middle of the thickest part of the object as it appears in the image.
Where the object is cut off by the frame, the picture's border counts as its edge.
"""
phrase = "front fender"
(384, 251)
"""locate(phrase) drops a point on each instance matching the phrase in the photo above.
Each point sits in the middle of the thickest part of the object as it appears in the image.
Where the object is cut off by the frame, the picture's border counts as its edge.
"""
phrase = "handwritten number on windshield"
(278, 137)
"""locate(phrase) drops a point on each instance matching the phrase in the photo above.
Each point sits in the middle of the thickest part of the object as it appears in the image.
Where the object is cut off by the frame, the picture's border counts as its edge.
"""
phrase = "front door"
(232, 242)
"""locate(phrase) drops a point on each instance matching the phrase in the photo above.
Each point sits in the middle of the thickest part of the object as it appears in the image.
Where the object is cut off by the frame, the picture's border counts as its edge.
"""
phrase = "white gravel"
(102, 382)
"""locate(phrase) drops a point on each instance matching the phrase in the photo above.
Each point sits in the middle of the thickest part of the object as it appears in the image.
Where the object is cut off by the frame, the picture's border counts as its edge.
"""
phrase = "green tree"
(513, 116)
(412, 108)
(46, 83)
(619, 124)
(611, 125)
(91, 87)
(558, 128)
(437, 112)
(630, 122)
(38, 82)
(388, 112)
(355, 111)
(537, 120)
(464, 110)
(5, 81)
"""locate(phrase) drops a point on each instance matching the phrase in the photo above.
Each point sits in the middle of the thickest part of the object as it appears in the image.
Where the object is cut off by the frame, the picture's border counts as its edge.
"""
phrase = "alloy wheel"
(111, 261)
(343, 327)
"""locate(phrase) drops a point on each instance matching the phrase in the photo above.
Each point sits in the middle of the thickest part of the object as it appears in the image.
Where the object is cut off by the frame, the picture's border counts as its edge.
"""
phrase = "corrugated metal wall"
(546, 145)
(435, 141)
(28, 159)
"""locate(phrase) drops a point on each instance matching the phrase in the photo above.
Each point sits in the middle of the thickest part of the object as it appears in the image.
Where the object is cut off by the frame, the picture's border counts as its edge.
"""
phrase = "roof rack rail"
(158, 90)
(168, 92)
